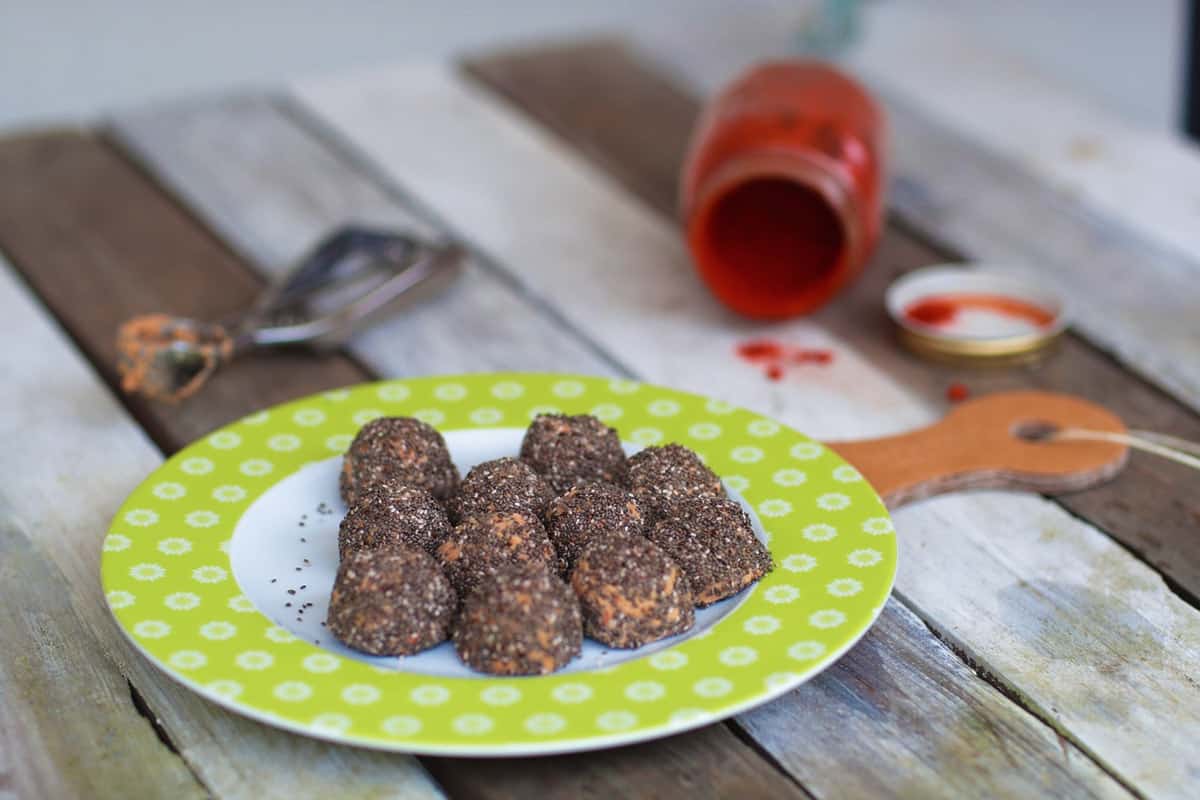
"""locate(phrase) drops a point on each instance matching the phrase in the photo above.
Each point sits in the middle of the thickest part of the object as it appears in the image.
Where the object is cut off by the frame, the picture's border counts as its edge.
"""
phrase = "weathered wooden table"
(1034, 646)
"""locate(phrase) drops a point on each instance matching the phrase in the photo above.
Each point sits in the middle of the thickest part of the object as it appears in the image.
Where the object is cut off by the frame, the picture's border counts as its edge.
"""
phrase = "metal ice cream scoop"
(349, 280)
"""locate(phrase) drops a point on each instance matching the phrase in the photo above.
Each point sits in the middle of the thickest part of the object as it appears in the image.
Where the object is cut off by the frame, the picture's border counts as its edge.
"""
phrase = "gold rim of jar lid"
(939, 344)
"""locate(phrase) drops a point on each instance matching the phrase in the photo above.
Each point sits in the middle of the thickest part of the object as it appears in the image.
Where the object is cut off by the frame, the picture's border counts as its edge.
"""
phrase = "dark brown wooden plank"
(99, 242)
(709, 762)
(1152, 508)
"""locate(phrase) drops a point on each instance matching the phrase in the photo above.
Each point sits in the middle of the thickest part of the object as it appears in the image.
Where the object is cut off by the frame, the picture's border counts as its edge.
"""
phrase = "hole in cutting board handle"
(1035, 430)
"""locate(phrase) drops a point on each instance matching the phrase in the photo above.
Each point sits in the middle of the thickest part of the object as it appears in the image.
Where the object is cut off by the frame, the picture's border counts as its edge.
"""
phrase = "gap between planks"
(198, 150)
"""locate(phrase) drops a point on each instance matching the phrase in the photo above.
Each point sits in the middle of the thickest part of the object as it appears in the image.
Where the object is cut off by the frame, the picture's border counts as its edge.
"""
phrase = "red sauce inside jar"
(781, 190)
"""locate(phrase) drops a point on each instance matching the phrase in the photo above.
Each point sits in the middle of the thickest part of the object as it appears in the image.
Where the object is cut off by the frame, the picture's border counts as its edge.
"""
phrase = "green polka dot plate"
(218, 568)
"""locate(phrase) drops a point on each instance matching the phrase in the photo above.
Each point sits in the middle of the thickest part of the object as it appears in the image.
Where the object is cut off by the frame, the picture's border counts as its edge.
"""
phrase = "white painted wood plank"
(996, 160)
(231, 178)
(301, 191)
(519, 194)
(71, 455)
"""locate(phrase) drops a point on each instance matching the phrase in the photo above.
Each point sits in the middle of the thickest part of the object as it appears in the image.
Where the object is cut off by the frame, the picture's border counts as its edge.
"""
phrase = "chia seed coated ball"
(714, 542)
(568, 450)
(391, 603)
(522, 620)
(660, 477)
(502, 484)
(401, 450)
(588, 511)
(479, 546)
(631, 592)
(391, 515)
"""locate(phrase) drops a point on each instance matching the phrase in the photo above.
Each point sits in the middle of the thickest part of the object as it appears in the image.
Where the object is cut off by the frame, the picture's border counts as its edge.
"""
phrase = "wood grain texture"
(709, 762)
(72, 454)
(919, 723)
(298, 166)
(53, 668)
(272, 188)
(1149, 489)
(470, 139)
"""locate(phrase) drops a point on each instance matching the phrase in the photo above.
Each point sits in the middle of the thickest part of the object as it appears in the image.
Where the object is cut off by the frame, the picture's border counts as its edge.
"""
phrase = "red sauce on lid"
(942, 309)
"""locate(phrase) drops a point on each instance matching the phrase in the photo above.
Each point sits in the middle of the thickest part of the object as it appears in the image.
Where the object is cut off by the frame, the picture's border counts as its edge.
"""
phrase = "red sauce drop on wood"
(806, 356)
(775, 356)
(760, 349)
(957, 392)
(941, 309)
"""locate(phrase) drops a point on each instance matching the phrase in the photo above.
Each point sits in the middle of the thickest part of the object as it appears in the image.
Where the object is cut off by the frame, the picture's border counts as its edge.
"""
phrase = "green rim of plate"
(169, 582)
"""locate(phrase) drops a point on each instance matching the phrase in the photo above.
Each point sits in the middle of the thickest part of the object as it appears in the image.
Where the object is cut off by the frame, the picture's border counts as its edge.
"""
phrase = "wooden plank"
(211, 173)
(65, 410)
(52, 666)
(468, 138)
(937, 732)
(1121, 509)
(696, 764)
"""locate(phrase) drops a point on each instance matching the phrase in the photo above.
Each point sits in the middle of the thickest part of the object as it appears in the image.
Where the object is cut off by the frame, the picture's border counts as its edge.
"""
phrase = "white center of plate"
(285, 556)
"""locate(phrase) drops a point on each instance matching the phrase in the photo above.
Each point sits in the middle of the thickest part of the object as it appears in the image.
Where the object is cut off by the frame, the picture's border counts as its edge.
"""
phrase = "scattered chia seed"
(631, 592)
(521, 620)
(714, 542)
(568, 450)
(274, 579)
(391, 603)
(291, 591)
(502, 484)
(287, 605)
(399, 449)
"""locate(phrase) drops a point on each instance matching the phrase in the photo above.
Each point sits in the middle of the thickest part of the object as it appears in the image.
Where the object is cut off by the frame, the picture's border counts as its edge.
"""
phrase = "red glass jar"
(782, 188)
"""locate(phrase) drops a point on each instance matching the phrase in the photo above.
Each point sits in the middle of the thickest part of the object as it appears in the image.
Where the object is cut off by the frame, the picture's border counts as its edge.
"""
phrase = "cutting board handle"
(993, 442)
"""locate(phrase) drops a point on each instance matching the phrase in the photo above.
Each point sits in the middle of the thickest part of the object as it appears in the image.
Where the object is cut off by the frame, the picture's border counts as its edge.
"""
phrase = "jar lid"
(974, 315)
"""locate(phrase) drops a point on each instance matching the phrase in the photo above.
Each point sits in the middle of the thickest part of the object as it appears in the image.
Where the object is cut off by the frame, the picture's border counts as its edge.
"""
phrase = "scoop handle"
(998, 441)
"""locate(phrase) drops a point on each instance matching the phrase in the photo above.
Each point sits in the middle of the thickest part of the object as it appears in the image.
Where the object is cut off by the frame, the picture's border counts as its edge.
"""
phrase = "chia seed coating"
(631, 592)
(401, 450)
(391, 515)
(568, 450)
(502, 484)
(714, 542)
(660, 477)
(589, 511)
(480, 546)
(521, 620)
(391, 603)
